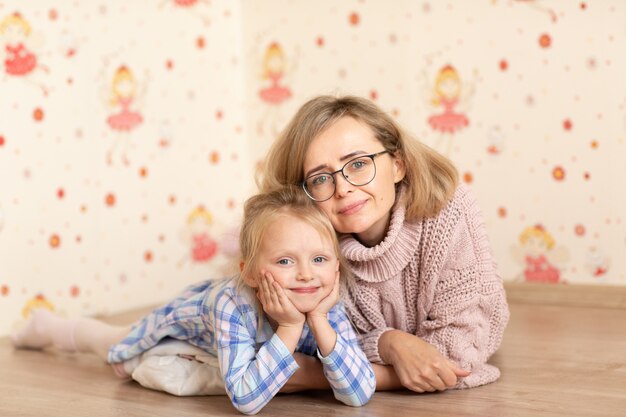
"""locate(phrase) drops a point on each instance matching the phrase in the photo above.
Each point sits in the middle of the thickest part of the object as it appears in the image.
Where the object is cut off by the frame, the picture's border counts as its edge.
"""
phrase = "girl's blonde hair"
(430, 178)
(263, 209)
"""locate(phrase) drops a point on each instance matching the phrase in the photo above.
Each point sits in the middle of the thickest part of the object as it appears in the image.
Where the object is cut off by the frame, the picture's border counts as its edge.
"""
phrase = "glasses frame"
(332, 175)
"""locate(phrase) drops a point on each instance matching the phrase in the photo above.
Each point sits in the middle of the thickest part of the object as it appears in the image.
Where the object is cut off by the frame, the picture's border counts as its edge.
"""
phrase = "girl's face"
(301, 260)
(364, 210)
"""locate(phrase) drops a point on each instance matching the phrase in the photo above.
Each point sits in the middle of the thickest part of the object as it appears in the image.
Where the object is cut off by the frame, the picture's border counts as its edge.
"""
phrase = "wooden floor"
(555, 361)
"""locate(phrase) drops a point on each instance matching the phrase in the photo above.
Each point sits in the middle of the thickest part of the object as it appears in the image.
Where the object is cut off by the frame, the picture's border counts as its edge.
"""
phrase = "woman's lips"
(352, 208)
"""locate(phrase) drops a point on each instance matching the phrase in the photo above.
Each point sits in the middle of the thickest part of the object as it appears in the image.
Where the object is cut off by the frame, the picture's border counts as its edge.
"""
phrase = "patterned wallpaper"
(123, 151)
(130, 131)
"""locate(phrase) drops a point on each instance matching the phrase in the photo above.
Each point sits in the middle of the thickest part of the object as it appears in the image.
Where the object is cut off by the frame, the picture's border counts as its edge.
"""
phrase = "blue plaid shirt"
(255, 363)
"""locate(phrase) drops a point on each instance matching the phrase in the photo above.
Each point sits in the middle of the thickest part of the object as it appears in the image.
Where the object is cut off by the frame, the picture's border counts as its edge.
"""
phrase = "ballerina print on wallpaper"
(18, 51)
(196, 8)
(198, 238)
(37, 302)
(449, 99)
(274, 91)
(124, 92)
(597, 263)
(496, 140)
(539, 6)
(541, 258)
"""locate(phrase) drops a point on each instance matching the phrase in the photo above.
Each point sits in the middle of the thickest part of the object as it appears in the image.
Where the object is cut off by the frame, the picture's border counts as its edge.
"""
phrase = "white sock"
(45, 329)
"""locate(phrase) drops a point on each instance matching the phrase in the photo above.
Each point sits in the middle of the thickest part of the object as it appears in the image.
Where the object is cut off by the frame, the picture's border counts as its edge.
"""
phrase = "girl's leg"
(91, 335)
(84, 335)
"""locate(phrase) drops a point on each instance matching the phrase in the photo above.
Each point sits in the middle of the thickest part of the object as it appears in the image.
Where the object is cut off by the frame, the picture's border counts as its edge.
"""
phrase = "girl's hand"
(276, 304)
(419, 365)
(327, 302)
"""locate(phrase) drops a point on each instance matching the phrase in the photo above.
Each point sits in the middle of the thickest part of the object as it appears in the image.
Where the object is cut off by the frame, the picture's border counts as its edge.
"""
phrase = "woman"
(427, 299)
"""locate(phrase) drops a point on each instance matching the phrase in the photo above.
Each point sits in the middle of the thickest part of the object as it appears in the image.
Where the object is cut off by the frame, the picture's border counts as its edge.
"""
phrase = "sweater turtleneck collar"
(385, 260)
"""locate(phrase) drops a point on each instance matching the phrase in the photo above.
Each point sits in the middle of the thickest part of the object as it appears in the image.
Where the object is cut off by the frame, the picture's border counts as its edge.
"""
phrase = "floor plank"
(555, 361)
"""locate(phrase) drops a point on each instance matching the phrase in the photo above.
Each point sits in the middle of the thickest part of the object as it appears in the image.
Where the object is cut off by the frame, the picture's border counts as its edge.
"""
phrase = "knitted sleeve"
(364, 307)
(469, 311)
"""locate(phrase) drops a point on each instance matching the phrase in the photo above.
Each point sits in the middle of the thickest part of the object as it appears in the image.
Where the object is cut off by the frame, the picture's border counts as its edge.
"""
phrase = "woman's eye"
(358, 164)
(320, 179)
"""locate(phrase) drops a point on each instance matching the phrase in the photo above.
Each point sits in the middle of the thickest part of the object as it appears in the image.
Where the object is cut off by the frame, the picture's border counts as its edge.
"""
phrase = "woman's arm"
(417, 365)
(308, 376)
(469, 312)
(414, 362)
(386, 378)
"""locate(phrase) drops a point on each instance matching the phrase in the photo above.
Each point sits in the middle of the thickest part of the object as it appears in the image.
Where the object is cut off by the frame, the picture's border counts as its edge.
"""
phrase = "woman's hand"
(419, 365)
(276, 304)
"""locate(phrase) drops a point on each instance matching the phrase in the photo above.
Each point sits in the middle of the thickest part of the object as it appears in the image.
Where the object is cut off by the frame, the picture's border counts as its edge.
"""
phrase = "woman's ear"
(399, 167)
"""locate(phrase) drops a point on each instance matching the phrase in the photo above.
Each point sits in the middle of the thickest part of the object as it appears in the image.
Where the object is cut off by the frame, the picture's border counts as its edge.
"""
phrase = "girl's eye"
(284, 262)
(319, 259)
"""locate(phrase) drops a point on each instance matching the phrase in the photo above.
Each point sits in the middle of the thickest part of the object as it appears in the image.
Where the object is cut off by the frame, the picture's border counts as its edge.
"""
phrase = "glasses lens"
(320, 187)
(360, 171)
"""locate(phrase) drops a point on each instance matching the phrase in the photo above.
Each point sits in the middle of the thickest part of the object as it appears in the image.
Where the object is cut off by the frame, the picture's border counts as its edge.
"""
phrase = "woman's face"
(361, 210)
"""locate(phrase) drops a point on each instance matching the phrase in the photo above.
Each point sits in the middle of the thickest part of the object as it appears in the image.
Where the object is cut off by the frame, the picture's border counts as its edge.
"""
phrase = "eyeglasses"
(358, 172)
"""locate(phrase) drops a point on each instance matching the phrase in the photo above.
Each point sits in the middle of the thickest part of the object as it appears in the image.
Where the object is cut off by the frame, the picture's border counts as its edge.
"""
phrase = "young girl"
(290, 260)
(427, 298)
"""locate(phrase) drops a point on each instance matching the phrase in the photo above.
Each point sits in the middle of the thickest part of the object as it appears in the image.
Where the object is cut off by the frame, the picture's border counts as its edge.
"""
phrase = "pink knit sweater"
(435, 278)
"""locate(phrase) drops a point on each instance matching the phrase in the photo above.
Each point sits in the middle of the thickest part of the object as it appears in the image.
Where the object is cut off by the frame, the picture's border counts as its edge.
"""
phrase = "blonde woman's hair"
(261, 210)
(430, 178)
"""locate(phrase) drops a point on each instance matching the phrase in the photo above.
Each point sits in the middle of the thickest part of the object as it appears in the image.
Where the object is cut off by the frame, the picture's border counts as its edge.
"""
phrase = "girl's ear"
(399, 168)
(249, 281)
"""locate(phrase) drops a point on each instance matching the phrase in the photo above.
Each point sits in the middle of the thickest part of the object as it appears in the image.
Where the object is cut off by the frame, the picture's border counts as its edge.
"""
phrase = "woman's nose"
(342, 186)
